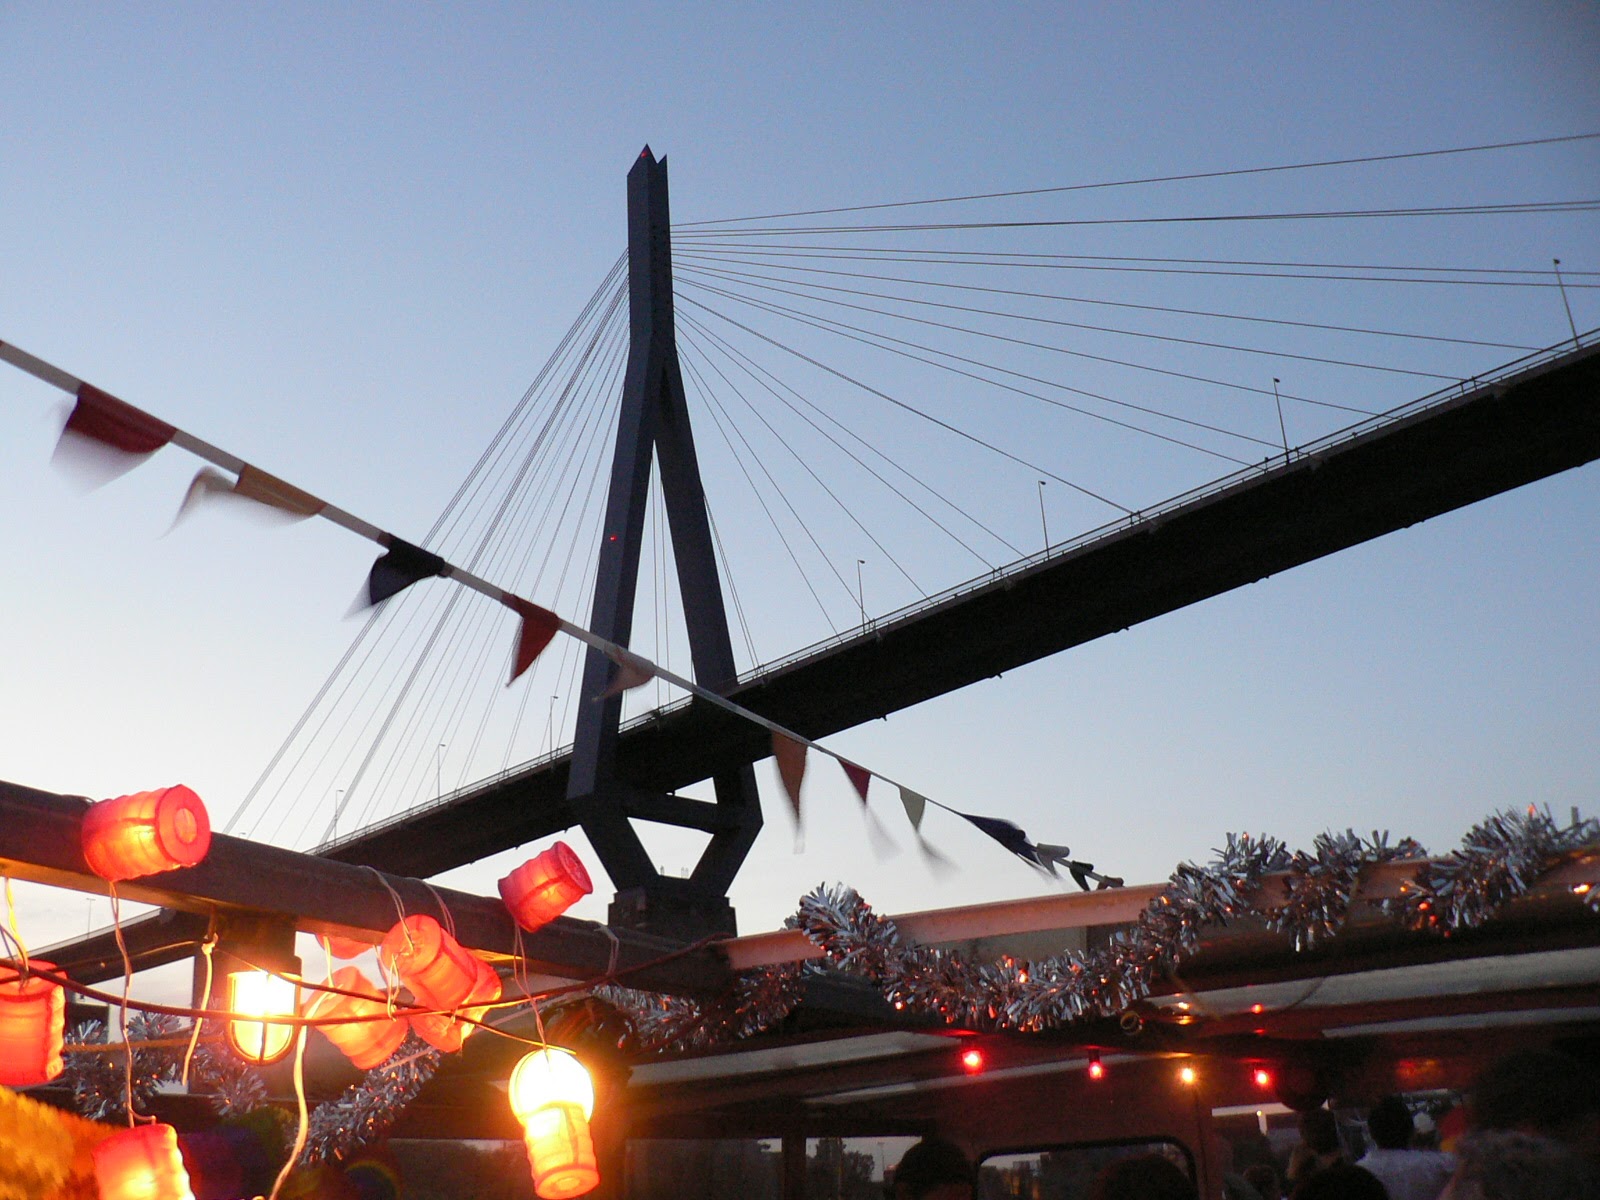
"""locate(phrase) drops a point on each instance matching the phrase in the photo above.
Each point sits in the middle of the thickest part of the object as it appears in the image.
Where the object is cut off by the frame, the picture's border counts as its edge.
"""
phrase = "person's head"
(1148, 1177)
(1342, 1181)
(1503, 1164)
(1390, 1123)
(1319, 1131)
(934, 1169)
(1537, 1091)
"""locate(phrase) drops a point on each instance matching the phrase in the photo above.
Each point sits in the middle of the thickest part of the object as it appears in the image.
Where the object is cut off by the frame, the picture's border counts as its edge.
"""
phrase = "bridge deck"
(1536, 419)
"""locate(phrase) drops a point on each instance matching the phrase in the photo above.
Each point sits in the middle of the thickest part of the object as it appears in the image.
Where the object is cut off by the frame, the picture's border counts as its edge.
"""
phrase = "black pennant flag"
(1010, 836)
(401, 565)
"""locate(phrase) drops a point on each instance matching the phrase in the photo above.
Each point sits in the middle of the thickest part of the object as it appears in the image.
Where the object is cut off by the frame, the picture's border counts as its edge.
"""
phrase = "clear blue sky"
(341, 243)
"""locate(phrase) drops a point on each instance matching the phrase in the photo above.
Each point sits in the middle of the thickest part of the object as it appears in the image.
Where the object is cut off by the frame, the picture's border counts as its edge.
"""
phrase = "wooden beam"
(40, 841)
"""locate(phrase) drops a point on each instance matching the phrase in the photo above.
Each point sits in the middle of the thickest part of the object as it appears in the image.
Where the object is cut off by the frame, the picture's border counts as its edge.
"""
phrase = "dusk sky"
(342, 244)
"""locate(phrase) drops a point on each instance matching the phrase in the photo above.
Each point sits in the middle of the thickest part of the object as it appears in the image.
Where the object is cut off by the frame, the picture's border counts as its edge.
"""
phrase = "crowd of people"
(1533, 1133)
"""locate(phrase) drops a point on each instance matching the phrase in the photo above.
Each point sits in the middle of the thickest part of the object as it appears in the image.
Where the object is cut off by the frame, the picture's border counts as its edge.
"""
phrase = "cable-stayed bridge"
(1495, 427)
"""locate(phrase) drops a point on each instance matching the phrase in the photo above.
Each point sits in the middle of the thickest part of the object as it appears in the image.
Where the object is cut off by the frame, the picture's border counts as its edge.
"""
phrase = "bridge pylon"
(653, 425)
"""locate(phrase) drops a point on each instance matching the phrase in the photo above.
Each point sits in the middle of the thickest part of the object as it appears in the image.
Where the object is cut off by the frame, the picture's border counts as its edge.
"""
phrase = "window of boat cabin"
(837, 1168)
(1067, 1172)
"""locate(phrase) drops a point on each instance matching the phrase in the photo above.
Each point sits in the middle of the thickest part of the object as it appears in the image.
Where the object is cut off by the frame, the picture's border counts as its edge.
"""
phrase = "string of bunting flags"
(133, 435)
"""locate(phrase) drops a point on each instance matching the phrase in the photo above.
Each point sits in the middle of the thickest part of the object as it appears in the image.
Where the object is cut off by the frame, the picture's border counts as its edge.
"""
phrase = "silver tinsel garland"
(365, 1110)
(99, 1078)
(1498, 861)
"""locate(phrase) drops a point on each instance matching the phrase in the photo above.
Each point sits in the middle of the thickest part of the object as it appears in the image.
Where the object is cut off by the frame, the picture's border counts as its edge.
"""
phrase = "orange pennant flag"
(791, 758)
(539, 625)
(257, 485)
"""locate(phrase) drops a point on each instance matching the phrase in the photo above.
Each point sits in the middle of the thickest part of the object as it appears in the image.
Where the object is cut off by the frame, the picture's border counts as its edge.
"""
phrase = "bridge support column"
(654, 426)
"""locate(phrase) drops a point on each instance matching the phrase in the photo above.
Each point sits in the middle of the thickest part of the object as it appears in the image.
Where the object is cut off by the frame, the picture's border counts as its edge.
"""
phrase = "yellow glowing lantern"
(553, 1096)
(561, 1152)
(261, 994)
(550, 1076)
(141, 1164)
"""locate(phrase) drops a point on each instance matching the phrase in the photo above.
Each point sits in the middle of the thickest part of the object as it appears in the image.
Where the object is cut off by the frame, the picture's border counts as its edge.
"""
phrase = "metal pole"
(438, 774)
(1561, 283)
(861, 593)
(1043, 524)
(1282, 430)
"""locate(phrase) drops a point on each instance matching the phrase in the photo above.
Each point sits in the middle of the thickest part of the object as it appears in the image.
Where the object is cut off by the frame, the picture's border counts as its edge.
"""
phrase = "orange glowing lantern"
(366, 1042)
(443, 1031)
(145, 833)
(141, 1164)
(553, 1096)
(32, 1016)
(544, 887)
(439, 970)
(561, 1152)
(260, 994)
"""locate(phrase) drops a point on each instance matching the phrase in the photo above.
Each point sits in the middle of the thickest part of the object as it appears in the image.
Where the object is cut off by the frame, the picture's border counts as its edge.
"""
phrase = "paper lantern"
(561, 1152)
(544, 887)
(145, 833)
(367, 1042)
(445, 1032)
(141, 1164)
(342, 947)
(549, 1076)
(439, 970)
(32, 1017)
(260, 994)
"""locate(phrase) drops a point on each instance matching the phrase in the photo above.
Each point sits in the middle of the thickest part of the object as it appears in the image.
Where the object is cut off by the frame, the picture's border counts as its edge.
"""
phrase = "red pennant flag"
(116, 423)
(859, 778)
(539, 625)
(791, 757)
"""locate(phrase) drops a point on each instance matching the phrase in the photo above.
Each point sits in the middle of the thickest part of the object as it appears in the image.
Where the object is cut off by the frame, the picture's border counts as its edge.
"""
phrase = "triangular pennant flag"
(632, 671)
(401, 566)
(1008, 835)
(915, 805)
(859, 778)
(1050, 855)
(105, 437)
(539, 625)
(116, 423)
(257, 485)
(791, 758)
(208, 481)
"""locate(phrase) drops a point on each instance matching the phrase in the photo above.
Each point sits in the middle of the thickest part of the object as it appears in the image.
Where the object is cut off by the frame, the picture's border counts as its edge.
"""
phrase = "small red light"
(1257, 1009)
(972, 1061)
(1263, 1077)
(612, 538)
(1097, 1069)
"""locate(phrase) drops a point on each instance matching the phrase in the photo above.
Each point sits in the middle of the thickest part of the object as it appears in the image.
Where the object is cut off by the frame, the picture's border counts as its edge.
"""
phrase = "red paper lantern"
(446, 1032)
(561, 1152)
(343, 947)
(439, 970)
(544, 887)
(368, 1042)
(145, 833)
(141, 1164)
(32, 1016)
